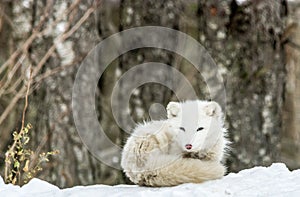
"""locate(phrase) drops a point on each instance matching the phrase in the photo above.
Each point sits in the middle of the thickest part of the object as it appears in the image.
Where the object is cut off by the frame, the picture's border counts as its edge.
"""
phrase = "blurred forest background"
(255, 44)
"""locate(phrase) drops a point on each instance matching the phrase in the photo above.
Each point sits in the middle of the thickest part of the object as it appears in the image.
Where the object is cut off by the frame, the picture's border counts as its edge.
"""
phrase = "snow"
(275, 180)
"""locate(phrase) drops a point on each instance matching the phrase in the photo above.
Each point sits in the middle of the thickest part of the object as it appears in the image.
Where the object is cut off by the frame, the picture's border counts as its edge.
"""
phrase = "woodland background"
(255, 43)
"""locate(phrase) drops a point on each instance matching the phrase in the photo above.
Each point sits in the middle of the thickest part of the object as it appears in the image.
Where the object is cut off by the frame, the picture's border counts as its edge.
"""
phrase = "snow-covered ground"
(275, 180)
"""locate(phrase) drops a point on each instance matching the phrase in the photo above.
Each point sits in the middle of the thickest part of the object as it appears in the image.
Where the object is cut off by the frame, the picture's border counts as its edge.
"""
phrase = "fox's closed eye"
(200, 128)
(182, 129)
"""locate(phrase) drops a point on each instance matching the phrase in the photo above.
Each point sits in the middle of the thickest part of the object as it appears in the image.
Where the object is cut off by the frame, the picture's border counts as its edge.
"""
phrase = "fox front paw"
(147, 145)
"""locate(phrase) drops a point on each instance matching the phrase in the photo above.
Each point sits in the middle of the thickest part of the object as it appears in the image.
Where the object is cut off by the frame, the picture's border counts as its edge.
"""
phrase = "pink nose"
(188, 146)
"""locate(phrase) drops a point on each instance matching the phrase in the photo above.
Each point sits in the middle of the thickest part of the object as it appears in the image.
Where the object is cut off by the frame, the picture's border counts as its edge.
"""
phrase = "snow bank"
(275, 180)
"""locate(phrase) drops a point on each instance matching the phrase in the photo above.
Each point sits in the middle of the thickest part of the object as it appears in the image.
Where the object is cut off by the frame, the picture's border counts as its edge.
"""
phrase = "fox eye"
(200, 128)
(181, 128)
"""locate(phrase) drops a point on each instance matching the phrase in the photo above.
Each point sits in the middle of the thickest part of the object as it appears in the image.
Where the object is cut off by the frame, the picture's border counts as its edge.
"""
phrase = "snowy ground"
(275, 180)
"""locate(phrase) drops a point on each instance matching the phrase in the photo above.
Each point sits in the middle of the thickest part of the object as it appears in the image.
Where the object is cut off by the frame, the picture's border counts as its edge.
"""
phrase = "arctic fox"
(187, 147)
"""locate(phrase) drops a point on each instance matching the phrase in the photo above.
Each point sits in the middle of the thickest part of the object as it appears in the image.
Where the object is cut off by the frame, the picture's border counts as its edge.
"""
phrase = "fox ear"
(173, 109)
(213, 109)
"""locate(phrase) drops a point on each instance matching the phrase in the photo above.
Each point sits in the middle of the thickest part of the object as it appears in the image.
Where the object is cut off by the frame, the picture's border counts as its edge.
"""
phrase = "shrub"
(21, 163)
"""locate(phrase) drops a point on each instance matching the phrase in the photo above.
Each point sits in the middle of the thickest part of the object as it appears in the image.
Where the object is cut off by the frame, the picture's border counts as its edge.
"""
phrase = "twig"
(35, 155)
(36, 70)
(62, 38)
(59, 18)
(26, 98)
(37, 32)
(11, 74)
(29, 40)
(7, 154)
(11, 105)
(55, 70)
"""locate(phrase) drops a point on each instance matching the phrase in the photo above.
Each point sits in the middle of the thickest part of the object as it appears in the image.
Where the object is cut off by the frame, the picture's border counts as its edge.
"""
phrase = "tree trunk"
(244, 40)
(291, 117)
(136, 13)
(6, 46)
(54, 126)
(157, 13)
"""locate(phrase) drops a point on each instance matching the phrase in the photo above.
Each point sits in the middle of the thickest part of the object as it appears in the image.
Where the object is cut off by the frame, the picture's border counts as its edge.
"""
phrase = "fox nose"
(188, 146)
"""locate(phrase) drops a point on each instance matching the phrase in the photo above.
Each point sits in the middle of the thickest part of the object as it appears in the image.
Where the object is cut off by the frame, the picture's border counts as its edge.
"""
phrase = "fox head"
(197, 124)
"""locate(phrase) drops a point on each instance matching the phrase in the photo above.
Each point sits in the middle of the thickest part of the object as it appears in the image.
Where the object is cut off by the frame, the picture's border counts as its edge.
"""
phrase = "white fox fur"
(188, 147)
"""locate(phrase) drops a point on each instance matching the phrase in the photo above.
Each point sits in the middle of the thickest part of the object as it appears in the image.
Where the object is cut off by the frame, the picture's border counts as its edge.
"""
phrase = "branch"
(8, 153)
(50, 51)
(29, 40)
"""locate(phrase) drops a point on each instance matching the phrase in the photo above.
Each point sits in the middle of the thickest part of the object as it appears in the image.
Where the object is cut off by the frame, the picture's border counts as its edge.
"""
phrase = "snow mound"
(275, 180)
